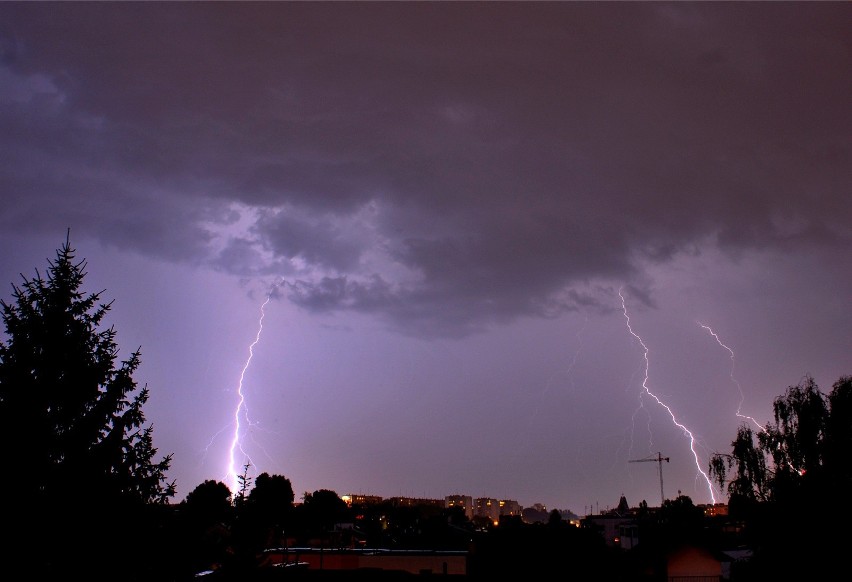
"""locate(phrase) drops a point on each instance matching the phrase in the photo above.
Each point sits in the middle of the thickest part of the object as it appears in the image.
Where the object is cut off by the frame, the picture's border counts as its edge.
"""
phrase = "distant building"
(614, 525)
(463, 501)
(715, 510)
(360, 500)
(628, 535)
(510, 507)
(414, 501)
(488, 508)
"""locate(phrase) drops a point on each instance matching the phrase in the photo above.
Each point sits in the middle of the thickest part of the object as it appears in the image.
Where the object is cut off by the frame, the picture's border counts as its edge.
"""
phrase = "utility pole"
(659, 460)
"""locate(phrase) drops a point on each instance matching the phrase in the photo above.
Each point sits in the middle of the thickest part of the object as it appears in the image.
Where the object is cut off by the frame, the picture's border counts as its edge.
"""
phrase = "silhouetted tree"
(390, 524)
(838, 439)
(210, 502)
(245, 542)
(207, 516)
(259, 517)
(791, 480)
(802, 453)
(517, 550)
(679, 521)
(271, 501)
(319, 512)
(244, 483)
(85, 459)
(554, 518)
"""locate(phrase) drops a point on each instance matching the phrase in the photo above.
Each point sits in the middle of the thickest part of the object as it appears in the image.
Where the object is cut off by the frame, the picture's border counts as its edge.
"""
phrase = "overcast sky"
(473, 222)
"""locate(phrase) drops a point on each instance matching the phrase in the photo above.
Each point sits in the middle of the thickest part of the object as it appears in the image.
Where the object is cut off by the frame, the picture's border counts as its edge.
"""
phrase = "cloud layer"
(443, 166)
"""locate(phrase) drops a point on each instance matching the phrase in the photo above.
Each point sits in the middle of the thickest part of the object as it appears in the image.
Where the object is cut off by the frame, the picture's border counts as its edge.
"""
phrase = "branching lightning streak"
(212, 440)
(734, 380)
(566, 372)
(647, 391)
(241, 411)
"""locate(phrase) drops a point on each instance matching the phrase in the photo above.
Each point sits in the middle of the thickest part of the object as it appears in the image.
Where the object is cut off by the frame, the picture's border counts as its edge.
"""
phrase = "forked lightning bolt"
(241, 410)
(734, 380)
(646, 390)
(566, 372)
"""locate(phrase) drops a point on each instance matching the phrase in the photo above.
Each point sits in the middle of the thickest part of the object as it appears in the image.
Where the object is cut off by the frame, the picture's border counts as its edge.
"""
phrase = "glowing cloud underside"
(647, 391)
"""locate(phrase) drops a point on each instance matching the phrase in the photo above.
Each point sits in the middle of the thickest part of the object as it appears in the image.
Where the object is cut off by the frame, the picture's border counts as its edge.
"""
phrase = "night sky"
(473, 222)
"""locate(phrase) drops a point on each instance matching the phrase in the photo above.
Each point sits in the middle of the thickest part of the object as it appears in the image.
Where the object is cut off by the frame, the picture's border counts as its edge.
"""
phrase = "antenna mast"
(659, 460)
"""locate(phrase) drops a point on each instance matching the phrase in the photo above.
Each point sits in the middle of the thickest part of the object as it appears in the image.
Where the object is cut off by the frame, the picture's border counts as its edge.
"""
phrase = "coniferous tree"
(84, 456)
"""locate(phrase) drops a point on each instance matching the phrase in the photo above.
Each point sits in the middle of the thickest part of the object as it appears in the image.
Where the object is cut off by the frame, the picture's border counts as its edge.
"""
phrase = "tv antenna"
(659, 460)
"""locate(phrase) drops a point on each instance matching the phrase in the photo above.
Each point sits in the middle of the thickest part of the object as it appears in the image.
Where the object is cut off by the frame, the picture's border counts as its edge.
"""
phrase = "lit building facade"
(463, 501)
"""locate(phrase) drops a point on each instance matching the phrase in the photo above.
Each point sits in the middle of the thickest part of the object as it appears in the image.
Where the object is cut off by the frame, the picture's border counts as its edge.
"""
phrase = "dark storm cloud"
(516, 152)
(316, 241)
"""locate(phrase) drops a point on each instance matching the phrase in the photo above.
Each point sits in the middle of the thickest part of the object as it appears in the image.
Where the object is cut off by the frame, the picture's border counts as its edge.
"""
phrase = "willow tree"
(790, 481)
(801, 456)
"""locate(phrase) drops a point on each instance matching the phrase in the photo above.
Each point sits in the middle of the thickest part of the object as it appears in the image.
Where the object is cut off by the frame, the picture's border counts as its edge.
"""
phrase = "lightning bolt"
(734, 380)
(646, 390)
(241, 410)
(210, 443)
(566, 372)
